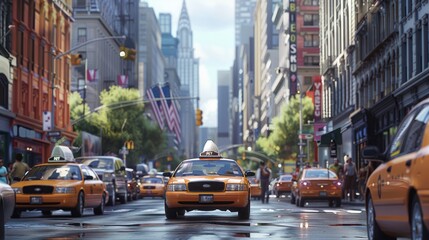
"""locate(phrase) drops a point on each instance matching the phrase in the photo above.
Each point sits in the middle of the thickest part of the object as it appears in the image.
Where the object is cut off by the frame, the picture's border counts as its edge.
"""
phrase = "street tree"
(121, 118)
(282, 143)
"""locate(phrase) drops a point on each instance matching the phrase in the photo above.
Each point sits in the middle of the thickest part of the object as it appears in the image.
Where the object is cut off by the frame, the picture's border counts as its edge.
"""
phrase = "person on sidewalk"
(4, 177)
(263, 174)
(19, 168)
(350, 174)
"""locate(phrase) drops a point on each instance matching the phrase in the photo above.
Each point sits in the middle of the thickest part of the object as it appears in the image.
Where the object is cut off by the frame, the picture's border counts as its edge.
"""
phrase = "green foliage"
(283, 140)
(121, 118)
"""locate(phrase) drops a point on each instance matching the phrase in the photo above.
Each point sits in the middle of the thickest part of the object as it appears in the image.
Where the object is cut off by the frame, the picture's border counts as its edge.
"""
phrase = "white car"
(7, 204)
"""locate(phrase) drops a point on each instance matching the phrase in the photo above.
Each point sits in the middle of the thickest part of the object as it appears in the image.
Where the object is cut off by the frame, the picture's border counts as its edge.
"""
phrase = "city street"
(145, 219)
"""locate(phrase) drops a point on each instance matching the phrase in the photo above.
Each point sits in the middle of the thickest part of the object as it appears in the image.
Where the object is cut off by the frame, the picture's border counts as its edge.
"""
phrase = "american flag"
(153, 95)
(173, 118)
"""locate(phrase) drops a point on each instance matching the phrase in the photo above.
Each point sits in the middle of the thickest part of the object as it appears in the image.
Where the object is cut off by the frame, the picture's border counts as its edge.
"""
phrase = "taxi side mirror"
(167, 174)
(122, 168)
(87, 177)
(372, 153)
(249, 173)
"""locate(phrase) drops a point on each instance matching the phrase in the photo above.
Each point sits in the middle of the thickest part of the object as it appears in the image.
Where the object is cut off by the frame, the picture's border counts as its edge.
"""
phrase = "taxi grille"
(206, 186)
(38, 189)
(148, 187)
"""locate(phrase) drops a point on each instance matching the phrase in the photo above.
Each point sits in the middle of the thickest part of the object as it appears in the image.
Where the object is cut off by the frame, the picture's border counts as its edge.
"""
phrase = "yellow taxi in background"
(152, 186)
(397, 192)
(255, 188)
(208, 183)
(282, 185)
(317, 184)
(60, 184)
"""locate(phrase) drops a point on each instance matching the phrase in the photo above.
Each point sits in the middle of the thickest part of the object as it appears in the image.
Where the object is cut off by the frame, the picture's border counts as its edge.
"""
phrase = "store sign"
(317, 83)
(293, 76)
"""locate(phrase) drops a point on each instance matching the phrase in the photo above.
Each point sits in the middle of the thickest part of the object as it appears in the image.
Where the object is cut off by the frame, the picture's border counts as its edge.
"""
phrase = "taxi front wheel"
(78, 210)
(244, 213)
(418, 228)
(170, 213)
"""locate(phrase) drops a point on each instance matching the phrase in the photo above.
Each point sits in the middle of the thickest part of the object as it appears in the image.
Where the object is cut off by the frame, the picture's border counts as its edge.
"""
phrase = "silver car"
(7, 204)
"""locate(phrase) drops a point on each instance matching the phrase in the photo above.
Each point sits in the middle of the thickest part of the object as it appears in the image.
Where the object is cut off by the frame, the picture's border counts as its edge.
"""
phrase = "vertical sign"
(293, 48)
(47, 122)
(317, 83)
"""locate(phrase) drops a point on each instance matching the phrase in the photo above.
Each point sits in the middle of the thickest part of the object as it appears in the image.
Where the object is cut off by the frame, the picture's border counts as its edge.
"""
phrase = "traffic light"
(127, 53)
(199, 117)
(129, 145)
(76, 59)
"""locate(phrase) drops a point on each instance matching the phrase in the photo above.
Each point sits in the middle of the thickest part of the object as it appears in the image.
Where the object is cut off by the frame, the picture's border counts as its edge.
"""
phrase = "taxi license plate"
(322, 194)
(35, 200)
(206, 198)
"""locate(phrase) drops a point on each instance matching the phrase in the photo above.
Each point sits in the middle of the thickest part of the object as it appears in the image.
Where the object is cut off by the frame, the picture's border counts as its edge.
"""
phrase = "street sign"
(305, 136)
(302, 155)
(123, 150)
(54, 133)
(302, 144)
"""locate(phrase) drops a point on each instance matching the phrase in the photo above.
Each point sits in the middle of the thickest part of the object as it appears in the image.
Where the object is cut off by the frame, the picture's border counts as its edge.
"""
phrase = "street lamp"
(54, 58)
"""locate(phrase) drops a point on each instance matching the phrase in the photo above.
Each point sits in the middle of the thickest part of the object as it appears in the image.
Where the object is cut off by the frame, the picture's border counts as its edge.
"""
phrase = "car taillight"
(305, 183)
(337, 183)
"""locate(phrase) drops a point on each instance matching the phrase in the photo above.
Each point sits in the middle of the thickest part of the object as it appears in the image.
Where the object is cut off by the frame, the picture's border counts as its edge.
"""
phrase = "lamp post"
(56, 57)
(300, 125)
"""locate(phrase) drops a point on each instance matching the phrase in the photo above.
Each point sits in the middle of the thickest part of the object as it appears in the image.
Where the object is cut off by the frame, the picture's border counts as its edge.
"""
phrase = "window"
(81, 35)
(416, 131)
(4, 91)
(400, 137)
(311, 2)
(311, 60)
(311, 19)
(311, 40)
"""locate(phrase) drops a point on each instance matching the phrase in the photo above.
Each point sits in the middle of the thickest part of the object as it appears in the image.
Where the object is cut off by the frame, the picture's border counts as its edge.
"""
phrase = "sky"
(212, 24)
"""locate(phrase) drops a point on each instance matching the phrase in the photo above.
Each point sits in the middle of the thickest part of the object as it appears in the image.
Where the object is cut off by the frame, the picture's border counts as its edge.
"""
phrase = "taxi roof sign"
(210, 150)
(61, 154)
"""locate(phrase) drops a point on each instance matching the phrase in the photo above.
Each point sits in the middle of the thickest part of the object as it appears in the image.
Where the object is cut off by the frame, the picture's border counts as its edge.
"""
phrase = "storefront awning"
(335, 135)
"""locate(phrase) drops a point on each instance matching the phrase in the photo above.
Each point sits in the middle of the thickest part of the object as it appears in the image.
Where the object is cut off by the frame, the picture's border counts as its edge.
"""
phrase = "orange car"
(255, 188)
(397, 192)
(283, 185)
(208, 183)
(60, 184)
(317, 184)
(152, 186)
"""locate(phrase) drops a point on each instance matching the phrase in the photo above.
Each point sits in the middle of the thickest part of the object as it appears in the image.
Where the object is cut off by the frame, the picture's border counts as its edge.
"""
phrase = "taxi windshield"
(320, 174)
(152, 180)
(210, 167)
(100, 163)
(53, 172)
(286, 178)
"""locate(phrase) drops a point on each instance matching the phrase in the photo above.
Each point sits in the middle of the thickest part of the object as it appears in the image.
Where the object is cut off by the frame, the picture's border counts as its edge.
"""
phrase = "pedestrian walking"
(3, 172)
(350, 174)
(19, 168)
(263, 174)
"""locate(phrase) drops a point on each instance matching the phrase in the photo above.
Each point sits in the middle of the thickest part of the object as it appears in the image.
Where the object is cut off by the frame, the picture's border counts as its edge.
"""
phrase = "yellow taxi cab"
(397, 191)
(152, 186)
(208, 183)
(317, 184)
(255, 188)
(60, 184)
(282, 185)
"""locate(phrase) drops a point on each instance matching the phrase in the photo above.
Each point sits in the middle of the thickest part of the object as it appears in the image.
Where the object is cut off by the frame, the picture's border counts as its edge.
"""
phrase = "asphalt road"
(145, 219)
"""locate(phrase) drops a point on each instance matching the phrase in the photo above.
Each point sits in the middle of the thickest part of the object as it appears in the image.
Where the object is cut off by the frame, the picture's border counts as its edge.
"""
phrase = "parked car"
(60, 184)
(111, 170)
(317, 184)
(207, 183)
(7, 204)
(282, 185)
(132, 185)
(397, 190)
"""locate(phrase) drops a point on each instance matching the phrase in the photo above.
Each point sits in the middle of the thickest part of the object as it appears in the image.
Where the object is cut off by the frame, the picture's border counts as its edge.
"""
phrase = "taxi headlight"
(64, 190)
(17, 190)
(236, 187)
(176, 187)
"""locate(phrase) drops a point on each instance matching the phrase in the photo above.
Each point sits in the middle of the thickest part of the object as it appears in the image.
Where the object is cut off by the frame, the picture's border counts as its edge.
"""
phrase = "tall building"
(224, 79)
(243, 20)
(41, 78)
(188, 71)
(187, 64)
(7, 62)
(266, 62)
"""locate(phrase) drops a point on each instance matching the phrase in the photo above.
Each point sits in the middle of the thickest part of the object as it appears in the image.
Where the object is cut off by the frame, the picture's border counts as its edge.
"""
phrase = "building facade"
(41, 78)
